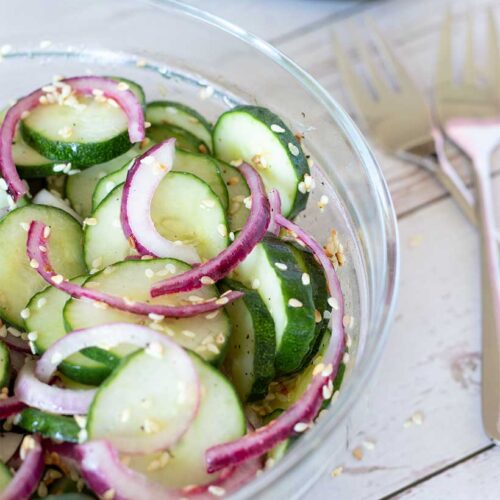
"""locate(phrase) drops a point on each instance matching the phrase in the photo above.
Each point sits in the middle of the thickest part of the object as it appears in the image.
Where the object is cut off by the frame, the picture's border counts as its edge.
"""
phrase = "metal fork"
(470, 115)
(399, 119)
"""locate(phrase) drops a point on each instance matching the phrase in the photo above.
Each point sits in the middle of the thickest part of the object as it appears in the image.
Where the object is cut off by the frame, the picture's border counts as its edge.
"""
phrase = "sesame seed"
(25, 226)
(220, 339)
(317, 316)
(206, 92)
(348, 341)
(333, 303)
(216, 491)
(213, 314)
(149, 273)
(109, 494)
(417, 418)
(57, 279)
(293, 149)
(207, 280)
(45, 44)
(81, 421)
(27, 445)
(65, 132)
(150, 426)
(277, 128)
(323, 202)
(369, 444)
(147, 124)
(170, 268)
(213, 348)
(25, 114)
(357, 453)
(306, 279)
(90, 221)
(337, 471)
(295, 303)
(196, 299)
(326, 392)
(346, 358)
(248, 202)
(348, 321)
(222, 230)
(236, 163)
(155, 350)
(156, 317)
(32, 336)
(222, 301)
(255, 284)
(281, 266)
(25, 313)
(188, 333)
(123, 86)
(231, 236)
(60, 167)
(140, 63)
(300, 427)
(327, 371)
(100, 305)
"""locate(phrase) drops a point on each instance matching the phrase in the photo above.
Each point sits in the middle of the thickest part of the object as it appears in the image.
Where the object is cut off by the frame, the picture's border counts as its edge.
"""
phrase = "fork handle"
(490, 279)
(449, 178)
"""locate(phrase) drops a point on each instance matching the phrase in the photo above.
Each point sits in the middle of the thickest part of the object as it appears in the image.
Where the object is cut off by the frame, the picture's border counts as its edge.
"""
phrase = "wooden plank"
(475, 478)
(412, 27)
(430, 368)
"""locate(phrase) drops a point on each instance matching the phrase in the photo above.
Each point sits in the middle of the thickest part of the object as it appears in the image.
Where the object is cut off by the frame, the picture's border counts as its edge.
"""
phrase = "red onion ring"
(221, 265)
(50, 398)
(306, 408)
(103, 471)
(10, 406)
(27, 477)
(275, 203)
(38, 253)
(82, 85)
(142, 182)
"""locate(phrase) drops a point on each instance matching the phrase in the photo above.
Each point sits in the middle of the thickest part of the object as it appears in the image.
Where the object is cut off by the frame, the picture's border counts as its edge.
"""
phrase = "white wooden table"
(430, 369)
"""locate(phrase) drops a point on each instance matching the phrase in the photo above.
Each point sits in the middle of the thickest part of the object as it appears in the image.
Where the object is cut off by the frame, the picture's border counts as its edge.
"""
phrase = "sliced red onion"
(275, 203)
(107, 336)
(44, 197)
(81, 85)
(142, 182)
(103, 471)
(37, 394)
(303, 412)
(10, 406)
(25, 481)
(17, 344)
(220, 266)
(38, 253)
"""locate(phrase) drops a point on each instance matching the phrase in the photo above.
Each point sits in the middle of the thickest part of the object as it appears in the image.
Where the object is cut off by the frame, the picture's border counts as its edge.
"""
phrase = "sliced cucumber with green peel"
(238, 190)
(205, 334)
(259, 137)
(18, 280)
(48, 425)
(180, 115)
(183, 139)
(4, 366)
(252, 346)
(219, 419)
(184, 208)
(145, 402)
(80, 187)
(203, 166)
(272, 270)
(5, 476)
(95, 133)
(46, 319)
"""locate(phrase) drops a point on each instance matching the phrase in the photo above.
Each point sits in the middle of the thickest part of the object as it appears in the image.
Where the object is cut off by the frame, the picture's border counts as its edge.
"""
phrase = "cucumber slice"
(319, 286)
(202, 166)
(205, 334)
(180, 115)
(80, 187)
(97, 132)
(46, 319)
(4, 366)
(48, 425)
(144, 402)
(256, 135)
(220, 419)
(184, 139)
(5, 476)
(18, 280)
(252, 346)
(184, 208)
(273, 271)
(238, 190)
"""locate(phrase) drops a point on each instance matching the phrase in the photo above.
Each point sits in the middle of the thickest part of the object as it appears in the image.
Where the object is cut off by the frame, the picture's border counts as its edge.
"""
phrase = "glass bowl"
(179, 52)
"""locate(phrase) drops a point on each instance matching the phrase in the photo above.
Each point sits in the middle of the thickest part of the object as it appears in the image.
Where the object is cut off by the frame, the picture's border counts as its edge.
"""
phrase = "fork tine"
(375, 77)
(358, 92)
(402, 76)
(444, 71)
(493, 68)
(469, 71)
